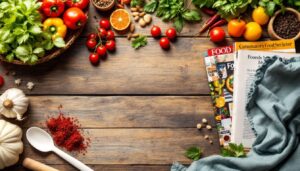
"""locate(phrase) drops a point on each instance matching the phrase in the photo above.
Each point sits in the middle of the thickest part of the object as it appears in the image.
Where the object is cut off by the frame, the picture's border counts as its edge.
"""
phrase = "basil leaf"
(35, 29)
(178, 23)
(191, 15)
(4, 48)
(270, 8)
(151, 6)
(23, 38)
(22, 51)
(10, 57)
(59, 42)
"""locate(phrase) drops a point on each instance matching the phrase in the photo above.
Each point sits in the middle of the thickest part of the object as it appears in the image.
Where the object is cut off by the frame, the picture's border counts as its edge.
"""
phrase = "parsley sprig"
(193, 153)
(139, 42)
(233, 150)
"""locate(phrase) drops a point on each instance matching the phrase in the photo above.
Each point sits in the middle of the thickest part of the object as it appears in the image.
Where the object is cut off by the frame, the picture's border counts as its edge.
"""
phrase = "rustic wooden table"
(140, 107)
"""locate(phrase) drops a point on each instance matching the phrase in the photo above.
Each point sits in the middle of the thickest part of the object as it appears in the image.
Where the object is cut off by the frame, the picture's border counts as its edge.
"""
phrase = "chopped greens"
(21, 34)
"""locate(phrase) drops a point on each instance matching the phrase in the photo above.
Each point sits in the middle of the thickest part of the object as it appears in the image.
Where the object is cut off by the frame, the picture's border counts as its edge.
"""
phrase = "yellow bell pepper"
(56, 27)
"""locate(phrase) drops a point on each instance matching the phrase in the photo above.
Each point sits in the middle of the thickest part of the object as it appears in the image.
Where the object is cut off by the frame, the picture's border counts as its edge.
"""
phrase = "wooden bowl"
(70, 38)
(109, 7)
(271, 31)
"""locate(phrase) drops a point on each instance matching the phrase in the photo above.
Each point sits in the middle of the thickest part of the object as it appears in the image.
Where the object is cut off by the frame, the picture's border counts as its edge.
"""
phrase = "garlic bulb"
(11, 145)
(13, 103)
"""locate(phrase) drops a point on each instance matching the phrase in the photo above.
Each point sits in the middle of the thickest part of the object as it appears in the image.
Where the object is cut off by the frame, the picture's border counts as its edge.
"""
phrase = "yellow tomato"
(260, 16)
(253, 31)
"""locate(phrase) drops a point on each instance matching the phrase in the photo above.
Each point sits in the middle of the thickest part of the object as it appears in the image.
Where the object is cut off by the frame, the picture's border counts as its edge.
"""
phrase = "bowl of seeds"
(285, 24)
(104, 5)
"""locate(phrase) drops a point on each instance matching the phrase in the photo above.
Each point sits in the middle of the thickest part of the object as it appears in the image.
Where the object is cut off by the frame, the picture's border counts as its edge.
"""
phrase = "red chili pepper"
(209, 23)
(218, 24)
(208, 11)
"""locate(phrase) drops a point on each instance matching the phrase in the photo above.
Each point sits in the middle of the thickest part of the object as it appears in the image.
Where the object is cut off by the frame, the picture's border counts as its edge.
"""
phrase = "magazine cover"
(220, 66)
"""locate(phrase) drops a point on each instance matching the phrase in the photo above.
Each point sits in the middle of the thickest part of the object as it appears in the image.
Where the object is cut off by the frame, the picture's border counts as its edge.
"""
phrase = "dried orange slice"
(120, 19)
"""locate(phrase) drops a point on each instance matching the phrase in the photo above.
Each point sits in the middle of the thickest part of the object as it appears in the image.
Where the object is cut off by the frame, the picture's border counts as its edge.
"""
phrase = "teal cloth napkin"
(274, 111)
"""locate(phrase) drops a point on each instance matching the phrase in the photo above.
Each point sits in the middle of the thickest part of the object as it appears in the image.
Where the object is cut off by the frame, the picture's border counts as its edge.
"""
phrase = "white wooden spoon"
(42, 141)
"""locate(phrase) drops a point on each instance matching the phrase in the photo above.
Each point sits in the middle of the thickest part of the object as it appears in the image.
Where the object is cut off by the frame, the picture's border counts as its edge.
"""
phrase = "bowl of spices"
(104, 5)
(285, 25)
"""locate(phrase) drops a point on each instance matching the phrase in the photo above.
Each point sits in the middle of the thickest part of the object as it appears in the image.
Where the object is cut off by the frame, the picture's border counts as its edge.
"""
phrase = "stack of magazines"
(230, 72)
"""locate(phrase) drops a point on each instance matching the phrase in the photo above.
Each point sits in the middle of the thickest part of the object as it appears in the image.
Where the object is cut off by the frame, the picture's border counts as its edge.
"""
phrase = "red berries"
(171, 33)
(165, 41)
(94, 58)
(155, 31)
(104, 23)
(101, 42)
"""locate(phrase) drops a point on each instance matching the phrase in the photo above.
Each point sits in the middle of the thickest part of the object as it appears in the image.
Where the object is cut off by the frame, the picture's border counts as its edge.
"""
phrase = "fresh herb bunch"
(21, 34)
(294, 3)
(233, 150)
(173, 10)
(271, 5)
(135, 3)
(227, 9)
(193, 153)
(139, 42)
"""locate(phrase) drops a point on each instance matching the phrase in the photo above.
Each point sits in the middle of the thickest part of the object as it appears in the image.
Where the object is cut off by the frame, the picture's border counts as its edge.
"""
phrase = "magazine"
(246, 65)
(219, 67)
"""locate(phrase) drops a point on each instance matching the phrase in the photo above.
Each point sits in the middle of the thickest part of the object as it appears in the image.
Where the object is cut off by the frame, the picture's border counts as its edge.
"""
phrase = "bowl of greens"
(34, 32)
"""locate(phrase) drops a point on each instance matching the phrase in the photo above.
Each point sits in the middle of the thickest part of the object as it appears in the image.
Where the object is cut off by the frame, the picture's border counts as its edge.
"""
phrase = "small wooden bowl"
(103, 9)
(271, 31)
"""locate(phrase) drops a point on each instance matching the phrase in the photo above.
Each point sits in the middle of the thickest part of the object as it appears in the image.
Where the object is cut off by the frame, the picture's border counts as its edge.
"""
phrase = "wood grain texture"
(123, 112)
(149, 70)
(136, 146)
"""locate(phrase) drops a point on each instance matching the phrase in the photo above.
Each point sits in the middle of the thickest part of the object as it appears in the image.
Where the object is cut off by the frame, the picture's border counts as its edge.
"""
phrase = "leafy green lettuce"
(21, 34)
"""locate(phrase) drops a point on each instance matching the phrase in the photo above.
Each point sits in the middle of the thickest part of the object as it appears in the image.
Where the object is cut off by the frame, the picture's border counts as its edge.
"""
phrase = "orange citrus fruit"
(260, 16)
(120, 19)
(253, 31)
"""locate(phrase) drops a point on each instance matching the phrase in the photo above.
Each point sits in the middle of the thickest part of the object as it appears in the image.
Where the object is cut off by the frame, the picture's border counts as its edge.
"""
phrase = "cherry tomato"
(82, 4)
(74, 18)
(110, 35)
(104, 23)
(217, 34)
(102, 33)
(155, 31)
(127, 2)
(164, 43)
(53, 8)
(94, 58)
(110, 45)
(101, 51)
(1, 81)
(91, 43)
(171, 33)
(93, 36)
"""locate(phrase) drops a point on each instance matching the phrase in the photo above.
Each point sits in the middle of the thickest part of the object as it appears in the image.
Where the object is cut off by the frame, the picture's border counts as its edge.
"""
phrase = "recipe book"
(245, 66)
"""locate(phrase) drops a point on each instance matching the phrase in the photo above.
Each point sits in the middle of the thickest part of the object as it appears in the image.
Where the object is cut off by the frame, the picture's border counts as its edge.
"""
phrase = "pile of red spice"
(65, 131)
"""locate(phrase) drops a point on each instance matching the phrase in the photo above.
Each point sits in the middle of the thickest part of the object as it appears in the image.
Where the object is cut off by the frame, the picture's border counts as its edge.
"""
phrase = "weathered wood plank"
(123, 112)
(149, 70)
(137, 146)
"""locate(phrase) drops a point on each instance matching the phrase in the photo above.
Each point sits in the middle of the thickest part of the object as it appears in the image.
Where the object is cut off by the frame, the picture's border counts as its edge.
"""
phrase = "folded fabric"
(273, 109)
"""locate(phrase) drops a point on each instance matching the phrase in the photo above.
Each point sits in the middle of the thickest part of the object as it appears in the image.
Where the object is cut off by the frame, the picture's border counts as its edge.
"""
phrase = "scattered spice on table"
(66, 133)
(287, 25)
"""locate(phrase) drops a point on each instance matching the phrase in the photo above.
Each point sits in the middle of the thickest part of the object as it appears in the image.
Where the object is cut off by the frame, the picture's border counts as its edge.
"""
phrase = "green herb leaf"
(191, 15)
(270, 8)
(40, 52)
(178, 23)
(193, 153)
(59, 42)
(139, 42)
(151, 6)
(22, 51)
(10, 57)
(135, 3)
(35, 29)
(233, 150)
